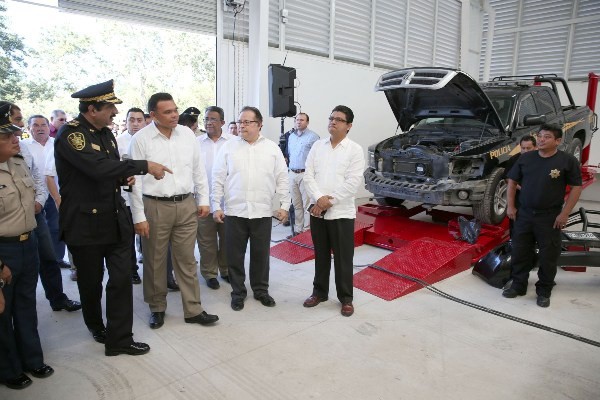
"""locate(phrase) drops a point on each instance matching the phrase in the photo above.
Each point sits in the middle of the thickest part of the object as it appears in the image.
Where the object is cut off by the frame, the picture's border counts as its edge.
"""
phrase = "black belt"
(176, 198)
(297, 171)
(543, 211)
(21, 238)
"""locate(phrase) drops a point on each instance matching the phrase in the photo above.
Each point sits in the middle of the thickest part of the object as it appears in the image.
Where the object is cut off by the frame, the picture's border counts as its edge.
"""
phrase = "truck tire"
(389, 201)
(575, 148)
(492, 208)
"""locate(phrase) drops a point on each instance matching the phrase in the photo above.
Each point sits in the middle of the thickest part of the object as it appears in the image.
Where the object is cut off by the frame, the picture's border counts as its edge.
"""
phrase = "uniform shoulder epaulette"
(73, 123)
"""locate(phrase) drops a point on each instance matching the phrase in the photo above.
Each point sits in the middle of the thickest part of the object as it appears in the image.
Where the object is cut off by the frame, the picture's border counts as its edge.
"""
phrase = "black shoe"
(172, 285)
(543, 301)
(42, 372)
(69, 305)
(237, 304)
(265, 300)
(286, 223)
(64, 264)
(134, 349)
(226, 278)
(157, 319)
(203, 319)
(135, 278)
(20, 382)
(213, 283)
(99, 335)
(511, 292)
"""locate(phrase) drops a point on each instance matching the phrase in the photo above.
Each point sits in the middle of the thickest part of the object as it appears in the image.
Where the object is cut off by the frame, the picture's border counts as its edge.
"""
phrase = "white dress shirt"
(123, 141)
(209, 150)
(337, 172)
(181, 154)
(248, 176)
(39, 181)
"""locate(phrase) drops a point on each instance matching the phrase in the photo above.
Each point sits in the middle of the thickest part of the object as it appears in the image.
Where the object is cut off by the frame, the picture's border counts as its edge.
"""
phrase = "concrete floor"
(420, 346)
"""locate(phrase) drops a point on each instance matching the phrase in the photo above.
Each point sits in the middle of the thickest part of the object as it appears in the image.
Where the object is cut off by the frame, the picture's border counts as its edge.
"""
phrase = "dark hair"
(134, 109)
(155, 98)
(346, 111)
(256, 112)
(305, 114)
(187, 120)
(83, 106)
(232, 123)
(36, 116)
(528, 138)
(215, 109)
(554, 128)
(146, 115)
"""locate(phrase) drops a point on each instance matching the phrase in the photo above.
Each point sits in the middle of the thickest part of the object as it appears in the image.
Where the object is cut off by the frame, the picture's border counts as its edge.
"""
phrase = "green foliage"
(12, 61)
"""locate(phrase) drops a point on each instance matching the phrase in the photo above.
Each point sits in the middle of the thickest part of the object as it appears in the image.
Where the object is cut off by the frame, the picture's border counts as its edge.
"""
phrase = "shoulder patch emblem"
(555, 173)
(76, 140)
(73, 122)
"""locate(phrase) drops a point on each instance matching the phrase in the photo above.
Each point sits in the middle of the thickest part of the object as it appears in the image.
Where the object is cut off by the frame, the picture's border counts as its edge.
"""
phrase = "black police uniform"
(95, 224)
(543, 183)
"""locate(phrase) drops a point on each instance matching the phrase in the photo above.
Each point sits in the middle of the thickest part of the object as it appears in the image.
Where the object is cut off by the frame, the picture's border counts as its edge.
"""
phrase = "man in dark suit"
(94, 221)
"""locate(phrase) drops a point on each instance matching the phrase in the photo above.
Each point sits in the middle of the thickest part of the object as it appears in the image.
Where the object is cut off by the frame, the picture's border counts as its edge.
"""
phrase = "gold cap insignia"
(77, 140)
(555, 173)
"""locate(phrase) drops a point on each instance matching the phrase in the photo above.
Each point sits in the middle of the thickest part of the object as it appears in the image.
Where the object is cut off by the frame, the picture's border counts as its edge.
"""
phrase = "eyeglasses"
(211, 120)
(245, 123)
(61, 119)
(336, 119)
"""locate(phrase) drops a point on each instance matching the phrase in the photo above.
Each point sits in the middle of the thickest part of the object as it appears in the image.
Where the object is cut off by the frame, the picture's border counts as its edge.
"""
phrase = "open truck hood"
(418, 93)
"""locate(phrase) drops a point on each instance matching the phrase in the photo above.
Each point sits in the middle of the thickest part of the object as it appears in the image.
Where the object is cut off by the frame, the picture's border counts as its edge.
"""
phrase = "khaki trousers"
(176, 222)
(300, 201)
(211, 244)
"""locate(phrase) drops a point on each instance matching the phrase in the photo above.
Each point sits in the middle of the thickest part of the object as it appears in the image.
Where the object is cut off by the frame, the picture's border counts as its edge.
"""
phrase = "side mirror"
(534, 119)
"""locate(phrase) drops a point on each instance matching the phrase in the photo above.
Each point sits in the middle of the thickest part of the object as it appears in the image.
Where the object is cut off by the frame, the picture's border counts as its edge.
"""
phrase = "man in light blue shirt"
(299, 144)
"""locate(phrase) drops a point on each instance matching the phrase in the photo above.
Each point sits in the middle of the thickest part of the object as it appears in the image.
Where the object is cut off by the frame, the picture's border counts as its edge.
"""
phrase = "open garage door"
(198, 16)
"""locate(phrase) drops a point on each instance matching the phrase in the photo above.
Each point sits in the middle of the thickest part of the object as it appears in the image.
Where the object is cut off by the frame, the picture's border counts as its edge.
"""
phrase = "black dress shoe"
(213, 283)
(203, 319)
(172, 285)
(225, 278)
(99, 335)
(265, 300)
(511, 292)
(20, 382)
(69, 305)
(157, 319)
(237, 304)
(42, 372)
(134, 349)
(135, 278)
(543, 301)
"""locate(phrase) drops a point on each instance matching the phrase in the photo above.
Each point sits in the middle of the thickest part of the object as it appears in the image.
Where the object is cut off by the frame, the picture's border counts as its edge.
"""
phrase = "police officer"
(94, 221)
(20, 347)
(543, 176)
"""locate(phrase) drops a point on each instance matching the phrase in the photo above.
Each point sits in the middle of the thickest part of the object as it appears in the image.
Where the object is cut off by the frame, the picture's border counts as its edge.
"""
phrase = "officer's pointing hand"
(157, 170)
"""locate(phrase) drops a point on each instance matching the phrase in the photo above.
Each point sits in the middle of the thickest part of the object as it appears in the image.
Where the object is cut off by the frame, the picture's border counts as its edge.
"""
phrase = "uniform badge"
(555, 173)
(76, 140)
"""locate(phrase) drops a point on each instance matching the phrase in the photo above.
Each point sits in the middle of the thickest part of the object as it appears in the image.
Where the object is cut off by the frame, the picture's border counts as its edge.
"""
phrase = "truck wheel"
(389, 201)
(492, 208)
(574, 149)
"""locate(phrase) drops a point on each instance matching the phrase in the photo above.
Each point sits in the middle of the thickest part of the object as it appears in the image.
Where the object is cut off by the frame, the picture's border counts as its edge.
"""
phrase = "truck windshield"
(503, 103)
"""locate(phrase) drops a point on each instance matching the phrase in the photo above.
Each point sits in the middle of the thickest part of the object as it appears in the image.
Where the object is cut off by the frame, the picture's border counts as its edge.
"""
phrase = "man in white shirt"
(211, 235)
(334, 172)
(166, 211)
(249, 171)
(134, 121)
(299, 144)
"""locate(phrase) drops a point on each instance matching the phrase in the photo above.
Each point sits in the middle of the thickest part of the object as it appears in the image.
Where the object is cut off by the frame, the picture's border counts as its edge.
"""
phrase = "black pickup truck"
(457, 136)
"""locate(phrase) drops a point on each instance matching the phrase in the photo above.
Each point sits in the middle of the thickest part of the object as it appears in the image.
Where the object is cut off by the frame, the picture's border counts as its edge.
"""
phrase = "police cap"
(100, 93)
(6, 127)
(192, 111)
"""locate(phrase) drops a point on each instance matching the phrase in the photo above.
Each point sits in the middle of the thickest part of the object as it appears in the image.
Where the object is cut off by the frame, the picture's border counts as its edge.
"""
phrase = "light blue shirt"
(299, 144)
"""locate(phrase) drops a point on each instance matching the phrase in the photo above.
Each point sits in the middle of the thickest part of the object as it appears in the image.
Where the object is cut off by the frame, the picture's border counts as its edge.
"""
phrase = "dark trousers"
(335, 235)
(50, 274)
(237, 233)
(52, 220)
(20, 347)
(531, 228)
(119, 298)
(134, 265)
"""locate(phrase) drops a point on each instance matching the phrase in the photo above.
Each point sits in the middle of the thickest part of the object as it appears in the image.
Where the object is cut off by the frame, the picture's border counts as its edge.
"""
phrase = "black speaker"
(281, 93)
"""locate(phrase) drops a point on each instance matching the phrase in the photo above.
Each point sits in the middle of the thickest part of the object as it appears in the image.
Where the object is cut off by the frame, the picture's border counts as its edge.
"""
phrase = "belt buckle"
(23, 237)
